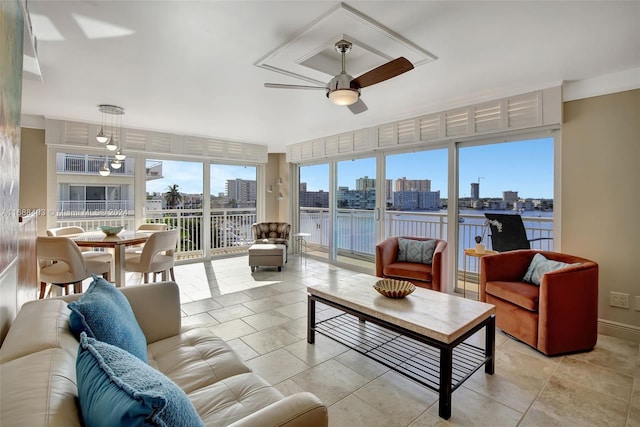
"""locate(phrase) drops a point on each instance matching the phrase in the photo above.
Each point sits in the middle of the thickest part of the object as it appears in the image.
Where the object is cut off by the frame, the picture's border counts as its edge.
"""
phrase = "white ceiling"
(188, 67)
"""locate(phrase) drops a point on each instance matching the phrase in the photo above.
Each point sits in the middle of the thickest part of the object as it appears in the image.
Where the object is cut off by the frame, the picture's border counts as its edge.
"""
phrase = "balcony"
(153, 170)
(89, 164)
(230, 229)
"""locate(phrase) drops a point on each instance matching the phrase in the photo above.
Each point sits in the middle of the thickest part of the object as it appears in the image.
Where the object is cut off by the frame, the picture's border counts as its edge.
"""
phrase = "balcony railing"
(230, 228)
(356, 230)
(107, 208)
(89, 164)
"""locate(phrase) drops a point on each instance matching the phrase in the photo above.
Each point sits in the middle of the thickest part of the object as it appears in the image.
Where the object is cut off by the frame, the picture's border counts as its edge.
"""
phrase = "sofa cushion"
(39, 325)
(521, 294)
(540, 265)
(418, 251)
(195, 359)
(116, 388)
(408, 270)
(104, 313)
(39, 389)
(234, 398)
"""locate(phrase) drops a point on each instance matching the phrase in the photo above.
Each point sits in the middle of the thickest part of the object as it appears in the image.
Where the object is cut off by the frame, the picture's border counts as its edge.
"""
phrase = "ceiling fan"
(343, 89)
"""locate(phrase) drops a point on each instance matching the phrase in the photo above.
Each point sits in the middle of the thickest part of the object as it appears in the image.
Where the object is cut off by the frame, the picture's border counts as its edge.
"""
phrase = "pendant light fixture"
(104, 170)
(110, 134)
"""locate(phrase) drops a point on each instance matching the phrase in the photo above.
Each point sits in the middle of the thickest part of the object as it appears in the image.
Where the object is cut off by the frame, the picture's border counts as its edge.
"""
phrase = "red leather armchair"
(423, 275)
(559, 316)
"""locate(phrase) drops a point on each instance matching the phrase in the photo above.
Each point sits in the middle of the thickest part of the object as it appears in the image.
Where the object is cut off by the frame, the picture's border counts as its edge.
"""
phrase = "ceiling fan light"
(344, 96)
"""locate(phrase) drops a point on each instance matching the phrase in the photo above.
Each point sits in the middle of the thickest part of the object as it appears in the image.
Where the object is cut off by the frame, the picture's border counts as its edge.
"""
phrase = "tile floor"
(263, 317)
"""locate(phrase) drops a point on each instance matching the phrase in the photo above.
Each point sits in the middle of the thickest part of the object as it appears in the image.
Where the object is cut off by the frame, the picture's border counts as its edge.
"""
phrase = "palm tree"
(173, 197)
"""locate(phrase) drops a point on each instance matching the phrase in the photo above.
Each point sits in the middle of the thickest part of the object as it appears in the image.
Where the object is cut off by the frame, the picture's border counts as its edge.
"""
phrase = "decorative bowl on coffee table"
(392, 288)
(111, 230)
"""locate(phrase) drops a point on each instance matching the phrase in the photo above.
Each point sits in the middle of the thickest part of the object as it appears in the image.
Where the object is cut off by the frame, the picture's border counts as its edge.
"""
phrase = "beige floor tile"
(397, 396)
(294, 311)
(561, 403)
(266, 320)
(330, 381)
(200, 306)
(233, 329)
(232, 299)
(243, 350)
(199, 319)
(268, 340)
(596, 378)
(612, 353)
(297, 328)
(277, 366)
(469, 408)
(230, 313)
(517, 380)
(363, 365)
(314, 354)
(353, 412)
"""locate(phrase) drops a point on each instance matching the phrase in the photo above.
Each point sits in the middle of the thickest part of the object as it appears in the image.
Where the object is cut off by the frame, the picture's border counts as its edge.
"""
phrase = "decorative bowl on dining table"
(392, 288)
(110, 230)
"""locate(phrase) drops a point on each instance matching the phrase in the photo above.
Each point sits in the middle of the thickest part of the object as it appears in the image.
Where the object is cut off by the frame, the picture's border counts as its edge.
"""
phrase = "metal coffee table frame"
(439, 366)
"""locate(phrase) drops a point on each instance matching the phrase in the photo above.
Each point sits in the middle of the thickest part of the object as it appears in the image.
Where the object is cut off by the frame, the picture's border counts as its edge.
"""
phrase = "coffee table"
(421, 336)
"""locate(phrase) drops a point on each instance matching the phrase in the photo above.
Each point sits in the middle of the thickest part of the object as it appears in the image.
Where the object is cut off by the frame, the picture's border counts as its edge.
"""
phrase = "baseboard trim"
(619, 330)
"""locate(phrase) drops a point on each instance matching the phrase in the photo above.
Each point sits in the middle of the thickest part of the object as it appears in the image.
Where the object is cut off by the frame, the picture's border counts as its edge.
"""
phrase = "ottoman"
(267, 255)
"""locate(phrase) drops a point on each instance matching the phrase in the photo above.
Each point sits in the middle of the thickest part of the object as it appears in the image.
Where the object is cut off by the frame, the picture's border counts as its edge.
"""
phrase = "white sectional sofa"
(38, 368)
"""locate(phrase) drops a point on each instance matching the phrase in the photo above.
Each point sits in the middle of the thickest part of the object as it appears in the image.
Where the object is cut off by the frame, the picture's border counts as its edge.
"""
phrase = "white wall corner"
(602, 85)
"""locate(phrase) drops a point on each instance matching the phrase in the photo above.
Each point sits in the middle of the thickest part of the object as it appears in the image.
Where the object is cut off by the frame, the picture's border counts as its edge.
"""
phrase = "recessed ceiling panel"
(311, 55)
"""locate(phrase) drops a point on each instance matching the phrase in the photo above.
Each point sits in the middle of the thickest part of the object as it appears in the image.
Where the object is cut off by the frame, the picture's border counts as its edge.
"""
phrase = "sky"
(522, 166)
(188, 176)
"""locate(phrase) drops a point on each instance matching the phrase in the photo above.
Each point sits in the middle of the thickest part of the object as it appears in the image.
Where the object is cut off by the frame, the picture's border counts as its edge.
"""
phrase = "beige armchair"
(428, 276)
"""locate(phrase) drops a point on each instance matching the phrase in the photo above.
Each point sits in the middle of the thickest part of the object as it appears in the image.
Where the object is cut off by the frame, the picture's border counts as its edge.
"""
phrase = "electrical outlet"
(617, 299)
(637, 303)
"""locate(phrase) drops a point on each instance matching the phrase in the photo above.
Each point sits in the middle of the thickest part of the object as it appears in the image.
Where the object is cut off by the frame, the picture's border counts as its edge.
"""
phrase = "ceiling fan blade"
(384, 72)
(283, 86)
(358, 107)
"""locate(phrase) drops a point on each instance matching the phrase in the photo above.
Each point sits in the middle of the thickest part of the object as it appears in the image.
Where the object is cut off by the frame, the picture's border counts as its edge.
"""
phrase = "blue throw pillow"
(540, 265)
(104, 313)
(420, 251)
(115, 389)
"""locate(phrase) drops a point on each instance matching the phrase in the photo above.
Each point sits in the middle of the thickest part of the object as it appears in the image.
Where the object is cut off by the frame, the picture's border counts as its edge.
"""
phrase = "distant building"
(388, 191)
(404, 184)
(241, 190)
(365, 183)
(314, 199)
(416, 200)
(475, 190)
(510, 196)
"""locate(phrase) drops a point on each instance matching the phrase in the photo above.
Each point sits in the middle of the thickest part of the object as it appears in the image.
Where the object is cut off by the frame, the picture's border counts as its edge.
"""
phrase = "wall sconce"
(279, 195)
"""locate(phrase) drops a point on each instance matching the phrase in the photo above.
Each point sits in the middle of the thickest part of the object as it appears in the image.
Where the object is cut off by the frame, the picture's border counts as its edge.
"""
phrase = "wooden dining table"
(118, 242)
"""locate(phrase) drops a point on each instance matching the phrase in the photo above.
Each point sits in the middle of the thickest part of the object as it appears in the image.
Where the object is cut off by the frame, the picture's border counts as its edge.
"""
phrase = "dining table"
(117, 242)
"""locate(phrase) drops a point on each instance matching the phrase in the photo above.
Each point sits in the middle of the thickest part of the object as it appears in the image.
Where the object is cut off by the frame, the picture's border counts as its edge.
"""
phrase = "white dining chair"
(61, 263)
(87, 254)
(156, 256)
(149, 227)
